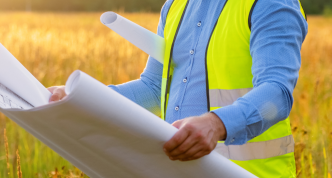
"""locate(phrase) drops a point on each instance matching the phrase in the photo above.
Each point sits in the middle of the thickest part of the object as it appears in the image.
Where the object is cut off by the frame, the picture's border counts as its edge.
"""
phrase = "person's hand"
(197, 137)
(58, 93)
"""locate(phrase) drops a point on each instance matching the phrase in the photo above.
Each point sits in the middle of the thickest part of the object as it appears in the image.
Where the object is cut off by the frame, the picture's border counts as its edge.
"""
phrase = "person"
(229, 72)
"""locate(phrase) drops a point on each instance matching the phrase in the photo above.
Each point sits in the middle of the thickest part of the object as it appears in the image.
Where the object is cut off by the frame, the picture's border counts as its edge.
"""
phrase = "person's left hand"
(58, 93)
(197, 137)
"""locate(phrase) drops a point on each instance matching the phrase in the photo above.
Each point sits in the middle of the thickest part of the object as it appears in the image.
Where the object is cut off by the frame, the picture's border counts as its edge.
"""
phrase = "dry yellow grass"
(312, 111)
(52, 46)
(19, 170)
(6, 150)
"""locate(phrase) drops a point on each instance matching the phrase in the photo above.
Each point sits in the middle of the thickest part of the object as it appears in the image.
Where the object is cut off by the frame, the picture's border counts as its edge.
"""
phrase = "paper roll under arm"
(149, 42)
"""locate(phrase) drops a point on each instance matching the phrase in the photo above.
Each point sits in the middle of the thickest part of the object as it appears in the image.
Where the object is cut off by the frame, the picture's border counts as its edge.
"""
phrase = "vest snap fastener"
(176, 108)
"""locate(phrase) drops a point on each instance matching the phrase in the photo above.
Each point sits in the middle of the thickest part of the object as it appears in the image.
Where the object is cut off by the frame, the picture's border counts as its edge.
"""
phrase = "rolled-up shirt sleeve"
(277, 33)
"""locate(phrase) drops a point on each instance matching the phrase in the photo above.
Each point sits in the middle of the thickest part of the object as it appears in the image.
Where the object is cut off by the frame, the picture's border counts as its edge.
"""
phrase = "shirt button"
(233, 140)
(199, 24)
(177, 108)
(185, 80)
(192, 51)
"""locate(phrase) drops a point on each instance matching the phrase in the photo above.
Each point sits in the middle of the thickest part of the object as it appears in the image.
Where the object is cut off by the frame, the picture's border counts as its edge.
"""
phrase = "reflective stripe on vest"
(222, 98)
(257, 150)
(229, 77)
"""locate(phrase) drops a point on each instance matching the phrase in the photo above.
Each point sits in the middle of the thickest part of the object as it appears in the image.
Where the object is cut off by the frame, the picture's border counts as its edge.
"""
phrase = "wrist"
(218, 125)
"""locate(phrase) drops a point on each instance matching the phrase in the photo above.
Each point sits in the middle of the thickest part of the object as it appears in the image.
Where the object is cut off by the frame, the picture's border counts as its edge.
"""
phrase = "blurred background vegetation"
(53, 41)
(310, 6)
(82, 5)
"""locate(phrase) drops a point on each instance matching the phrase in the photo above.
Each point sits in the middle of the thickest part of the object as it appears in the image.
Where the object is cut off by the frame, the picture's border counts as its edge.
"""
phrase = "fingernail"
(165, 150)
(171, 158)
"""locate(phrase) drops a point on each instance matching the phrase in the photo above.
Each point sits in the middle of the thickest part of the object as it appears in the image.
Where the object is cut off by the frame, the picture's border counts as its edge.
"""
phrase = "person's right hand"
(58, 93)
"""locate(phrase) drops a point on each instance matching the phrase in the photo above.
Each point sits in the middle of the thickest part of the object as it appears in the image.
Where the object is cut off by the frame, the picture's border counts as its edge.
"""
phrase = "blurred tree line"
(310, 6)
(317, 6)
(82, 5)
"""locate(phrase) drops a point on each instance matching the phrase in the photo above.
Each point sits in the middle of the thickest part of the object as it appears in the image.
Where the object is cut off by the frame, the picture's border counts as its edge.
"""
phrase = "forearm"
(256, 112)
(146, 90)
(277, 33)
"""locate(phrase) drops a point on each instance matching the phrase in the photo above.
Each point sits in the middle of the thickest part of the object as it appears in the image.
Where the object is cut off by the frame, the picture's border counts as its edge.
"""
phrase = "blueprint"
(9, 99)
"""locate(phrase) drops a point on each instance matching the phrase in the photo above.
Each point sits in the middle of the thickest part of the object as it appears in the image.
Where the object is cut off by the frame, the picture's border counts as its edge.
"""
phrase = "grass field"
(51, 46)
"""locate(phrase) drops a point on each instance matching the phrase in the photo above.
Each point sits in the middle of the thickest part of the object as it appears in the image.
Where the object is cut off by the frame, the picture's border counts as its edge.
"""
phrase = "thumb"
(177, 124)
(58, 94)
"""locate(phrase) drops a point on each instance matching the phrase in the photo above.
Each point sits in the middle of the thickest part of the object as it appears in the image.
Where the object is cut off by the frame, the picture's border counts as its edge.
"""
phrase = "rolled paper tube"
(94, 130)
(149, 42)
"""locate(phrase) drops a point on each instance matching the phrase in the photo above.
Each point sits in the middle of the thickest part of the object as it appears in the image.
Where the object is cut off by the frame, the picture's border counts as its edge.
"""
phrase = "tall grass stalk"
(312, 172)
(19, 171)
(325, 162)
(7, 151)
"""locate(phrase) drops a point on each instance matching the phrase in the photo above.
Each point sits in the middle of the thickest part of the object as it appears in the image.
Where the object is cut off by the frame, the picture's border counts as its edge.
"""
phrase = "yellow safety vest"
(229, 77)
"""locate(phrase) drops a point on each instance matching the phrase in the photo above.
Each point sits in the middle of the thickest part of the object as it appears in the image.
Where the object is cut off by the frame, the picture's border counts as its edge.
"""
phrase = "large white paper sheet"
(144, 39)
(18, 79)
(9, 99)
(106, 135)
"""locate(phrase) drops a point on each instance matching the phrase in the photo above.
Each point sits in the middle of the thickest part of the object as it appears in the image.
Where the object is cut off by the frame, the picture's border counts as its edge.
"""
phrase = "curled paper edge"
(149, 42)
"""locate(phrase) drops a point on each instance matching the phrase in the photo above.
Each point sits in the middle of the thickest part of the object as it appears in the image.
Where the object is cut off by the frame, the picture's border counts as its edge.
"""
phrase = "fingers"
(198, 155)
(197, 137)
(177, 124)
(176, 141)
(51, 89)
(199, 150)
(194, 147)
(58, 93)
(182, 150)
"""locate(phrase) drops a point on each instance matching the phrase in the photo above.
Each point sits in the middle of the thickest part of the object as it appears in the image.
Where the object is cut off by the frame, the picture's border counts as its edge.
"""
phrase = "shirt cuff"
(238, 118)
(235, 123)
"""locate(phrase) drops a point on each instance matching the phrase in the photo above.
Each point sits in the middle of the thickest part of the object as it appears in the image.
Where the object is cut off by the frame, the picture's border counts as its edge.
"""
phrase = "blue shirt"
(277, 33)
